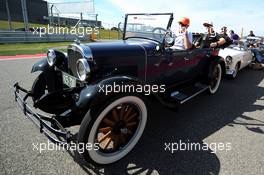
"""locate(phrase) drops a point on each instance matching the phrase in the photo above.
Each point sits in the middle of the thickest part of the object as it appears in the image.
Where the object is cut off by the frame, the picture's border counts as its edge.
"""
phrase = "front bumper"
(230, 70)
(47, 125)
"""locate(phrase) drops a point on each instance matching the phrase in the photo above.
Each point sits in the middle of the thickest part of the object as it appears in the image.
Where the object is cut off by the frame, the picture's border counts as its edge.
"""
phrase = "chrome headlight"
(229, 60)
(51, 57)
(83, 69)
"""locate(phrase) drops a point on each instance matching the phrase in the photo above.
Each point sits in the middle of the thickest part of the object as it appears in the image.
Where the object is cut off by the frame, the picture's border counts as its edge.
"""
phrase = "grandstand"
(40, 12)
(66, 21)
(36, 9)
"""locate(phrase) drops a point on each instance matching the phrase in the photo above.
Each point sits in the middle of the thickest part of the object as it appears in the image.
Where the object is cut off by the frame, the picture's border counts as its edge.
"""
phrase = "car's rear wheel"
(215, 79)
(115, 130)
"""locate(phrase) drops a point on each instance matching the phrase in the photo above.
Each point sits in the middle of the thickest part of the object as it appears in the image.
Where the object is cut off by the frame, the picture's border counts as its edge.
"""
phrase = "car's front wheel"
(234, 75)
(215, 79)
(115, 129)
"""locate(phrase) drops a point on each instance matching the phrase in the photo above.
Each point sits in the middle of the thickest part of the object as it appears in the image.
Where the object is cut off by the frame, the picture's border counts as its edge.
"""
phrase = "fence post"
(25, 14)
(8, 15)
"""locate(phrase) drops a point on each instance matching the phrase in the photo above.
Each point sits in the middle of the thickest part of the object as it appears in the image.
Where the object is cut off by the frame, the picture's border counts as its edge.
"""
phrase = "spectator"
(224, 31)
(234, 36)
(209, 35)
(209, 27)
(258, 55)
(214, 39)
(251, 33)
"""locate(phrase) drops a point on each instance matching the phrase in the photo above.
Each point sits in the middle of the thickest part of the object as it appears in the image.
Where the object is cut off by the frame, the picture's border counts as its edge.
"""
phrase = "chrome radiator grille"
(73, 56)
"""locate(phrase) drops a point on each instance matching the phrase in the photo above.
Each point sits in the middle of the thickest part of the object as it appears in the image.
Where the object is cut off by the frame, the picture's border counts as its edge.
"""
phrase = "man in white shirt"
(183, 39)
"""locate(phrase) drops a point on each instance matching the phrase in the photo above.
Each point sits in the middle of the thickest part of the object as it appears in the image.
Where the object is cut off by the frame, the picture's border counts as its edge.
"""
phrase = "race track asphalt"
(235, 116)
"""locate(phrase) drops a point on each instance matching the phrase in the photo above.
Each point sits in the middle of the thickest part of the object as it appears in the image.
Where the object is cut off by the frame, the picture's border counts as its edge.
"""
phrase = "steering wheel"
(158, 32)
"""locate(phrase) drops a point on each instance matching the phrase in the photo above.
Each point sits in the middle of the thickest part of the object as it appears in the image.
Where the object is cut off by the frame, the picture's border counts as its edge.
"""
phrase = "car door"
(248, 56)
(242, 57)
(192, 61)
(180, 66)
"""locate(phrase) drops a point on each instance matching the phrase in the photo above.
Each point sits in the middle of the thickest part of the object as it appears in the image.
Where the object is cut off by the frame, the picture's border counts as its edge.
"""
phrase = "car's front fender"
(94, 95)
(41, 65)
(61, 62)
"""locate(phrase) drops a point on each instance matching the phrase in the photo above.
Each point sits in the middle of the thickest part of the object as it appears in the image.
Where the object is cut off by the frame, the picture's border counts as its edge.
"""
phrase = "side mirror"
(169, 39)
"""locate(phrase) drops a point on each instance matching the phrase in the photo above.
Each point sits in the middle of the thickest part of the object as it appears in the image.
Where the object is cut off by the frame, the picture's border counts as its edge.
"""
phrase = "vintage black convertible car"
(104, 86)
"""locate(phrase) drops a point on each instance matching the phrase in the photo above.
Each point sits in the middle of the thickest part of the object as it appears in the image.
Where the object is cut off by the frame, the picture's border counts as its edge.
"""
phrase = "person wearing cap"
(209, 27)
(209, 33)
(216, 40)
(183, 40)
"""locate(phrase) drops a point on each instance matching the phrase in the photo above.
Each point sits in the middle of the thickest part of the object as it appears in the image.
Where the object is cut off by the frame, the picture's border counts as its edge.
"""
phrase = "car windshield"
(152, 26)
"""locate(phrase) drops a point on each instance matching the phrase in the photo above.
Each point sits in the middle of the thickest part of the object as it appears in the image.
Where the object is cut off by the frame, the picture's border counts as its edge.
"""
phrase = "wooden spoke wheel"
(118, 127)
(115, 130)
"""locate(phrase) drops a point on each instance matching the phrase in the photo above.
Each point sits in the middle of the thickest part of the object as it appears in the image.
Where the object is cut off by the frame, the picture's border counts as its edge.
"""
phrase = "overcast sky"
(235, 14)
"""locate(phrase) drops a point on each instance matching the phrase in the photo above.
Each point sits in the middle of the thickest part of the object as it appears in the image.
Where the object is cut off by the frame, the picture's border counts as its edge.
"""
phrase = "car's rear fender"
(214, 61)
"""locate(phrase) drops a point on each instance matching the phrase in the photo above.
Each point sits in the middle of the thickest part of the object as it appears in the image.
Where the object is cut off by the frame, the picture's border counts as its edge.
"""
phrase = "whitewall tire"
(116, 129)
(216, 79)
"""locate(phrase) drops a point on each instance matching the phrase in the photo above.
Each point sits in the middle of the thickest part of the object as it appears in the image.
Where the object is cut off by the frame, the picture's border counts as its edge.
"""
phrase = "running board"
(189, 93)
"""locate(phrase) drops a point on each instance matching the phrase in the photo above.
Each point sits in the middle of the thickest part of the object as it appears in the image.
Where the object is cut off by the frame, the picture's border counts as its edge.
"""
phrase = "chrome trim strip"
(194, 95)
(83, 49)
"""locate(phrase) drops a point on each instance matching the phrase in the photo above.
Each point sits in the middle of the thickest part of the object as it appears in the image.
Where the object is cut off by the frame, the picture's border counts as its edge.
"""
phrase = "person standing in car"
(183, 40)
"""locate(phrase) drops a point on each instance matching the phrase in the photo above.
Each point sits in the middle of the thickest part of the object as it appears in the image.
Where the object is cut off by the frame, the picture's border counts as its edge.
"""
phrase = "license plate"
(68, 80)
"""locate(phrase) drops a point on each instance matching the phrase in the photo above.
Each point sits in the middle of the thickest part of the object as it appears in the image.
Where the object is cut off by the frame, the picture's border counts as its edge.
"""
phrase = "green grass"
(30, 48)
(15, 25)
(103, 34)
(36, 48)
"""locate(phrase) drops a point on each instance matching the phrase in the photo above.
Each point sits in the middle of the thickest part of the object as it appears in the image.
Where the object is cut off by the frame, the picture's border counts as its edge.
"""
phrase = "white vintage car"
(236, 58)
